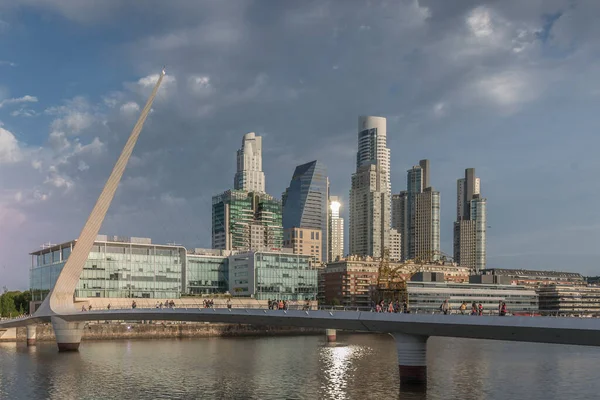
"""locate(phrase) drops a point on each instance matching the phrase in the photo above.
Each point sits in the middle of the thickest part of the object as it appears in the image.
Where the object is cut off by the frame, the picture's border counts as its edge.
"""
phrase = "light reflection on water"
(359, 366)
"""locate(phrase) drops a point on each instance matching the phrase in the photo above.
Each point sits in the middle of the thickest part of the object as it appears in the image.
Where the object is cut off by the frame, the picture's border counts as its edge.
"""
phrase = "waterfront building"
(471, 223)
(428, 296)
(305, 202)
(117, 267)
(246, 221)
(569, 299)
(249, 176)
(352, 280)
(370, 193)
(533, 278)
(304, 241)
(416, 215)
(206, 272)
(268, 275)
(335, 246)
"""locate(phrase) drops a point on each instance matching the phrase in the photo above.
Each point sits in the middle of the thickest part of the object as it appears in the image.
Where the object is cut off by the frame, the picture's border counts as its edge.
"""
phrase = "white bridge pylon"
(60, 299)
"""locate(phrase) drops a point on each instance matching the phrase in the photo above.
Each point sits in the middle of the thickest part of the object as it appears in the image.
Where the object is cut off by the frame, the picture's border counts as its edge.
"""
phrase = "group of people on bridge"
(476, 309)
(391, 307)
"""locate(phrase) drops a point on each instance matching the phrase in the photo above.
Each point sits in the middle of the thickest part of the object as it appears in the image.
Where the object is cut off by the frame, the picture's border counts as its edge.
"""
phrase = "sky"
(510, 88)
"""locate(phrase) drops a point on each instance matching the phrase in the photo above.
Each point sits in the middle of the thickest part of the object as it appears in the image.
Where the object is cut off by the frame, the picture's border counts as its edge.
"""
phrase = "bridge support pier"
(412, 358)
(31, 335)
(331, 335)
(68, 334)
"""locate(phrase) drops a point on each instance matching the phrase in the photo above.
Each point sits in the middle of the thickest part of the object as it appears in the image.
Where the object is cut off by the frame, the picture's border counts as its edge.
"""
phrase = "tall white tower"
(336, 230)
(250, 176)
(370, 193)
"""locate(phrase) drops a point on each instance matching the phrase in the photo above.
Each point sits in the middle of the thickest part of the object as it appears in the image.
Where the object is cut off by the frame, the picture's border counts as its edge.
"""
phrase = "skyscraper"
(246, 221)
(336, 230)
(416, 215)
(470, 225)
(250, 176)
(247, 218)
(306, 200)
(370, 193)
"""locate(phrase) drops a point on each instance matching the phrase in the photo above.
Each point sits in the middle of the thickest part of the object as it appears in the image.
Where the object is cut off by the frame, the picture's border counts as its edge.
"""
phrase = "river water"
(359, 366)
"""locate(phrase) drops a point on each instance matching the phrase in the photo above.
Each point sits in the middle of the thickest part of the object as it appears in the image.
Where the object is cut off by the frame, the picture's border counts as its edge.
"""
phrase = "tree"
(7, 305)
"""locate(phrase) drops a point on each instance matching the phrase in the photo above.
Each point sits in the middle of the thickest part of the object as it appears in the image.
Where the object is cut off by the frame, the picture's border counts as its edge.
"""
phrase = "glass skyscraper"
(306, 201)
(246, 221)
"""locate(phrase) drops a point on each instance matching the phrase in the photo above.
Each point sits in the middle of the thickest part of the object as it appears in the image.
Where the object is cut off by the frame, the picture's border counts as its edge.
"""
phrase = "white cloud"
(439, 110)
(24, 112)
(94, 147)
(8, 63)
(507, 89)
(83, 166)
(74, 122)
(130, 108)
(150, 80)
(10, 151)
(58, 141)
(479, 22)
(17, 100)
(59, 181)
(200, 85)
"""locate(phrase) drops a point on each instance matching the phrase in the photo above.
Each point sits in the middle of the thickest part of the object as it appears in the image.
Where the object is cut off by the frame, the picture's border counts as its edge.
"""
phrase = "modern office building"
(569, 300)
(372, 146)
(117, 267)
(335, 246)
(304, 241)
(206, 272)
(427, 297)
(250, 176)
(416, 215)
(471, 223)
(246, 221)
(306, 200)
(267, 275)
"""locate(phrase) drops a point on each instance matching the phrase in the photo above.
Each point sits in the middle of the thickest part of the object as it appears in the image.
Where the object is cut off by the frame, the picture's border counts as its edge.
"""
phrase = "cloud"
(24, 112)
(24, 99)
(130, 108)
(10, 151)
(7, 63)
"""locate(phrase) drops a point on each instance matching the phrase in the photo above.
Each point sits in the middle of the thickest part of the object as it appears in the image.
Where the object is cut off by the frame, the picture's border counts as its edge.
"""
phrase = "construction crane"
(391, 281)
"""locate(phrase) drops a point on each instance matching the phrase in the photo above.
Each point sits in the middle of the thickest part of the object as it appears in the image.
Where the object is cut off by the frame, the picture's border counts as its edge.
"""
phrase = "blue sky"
(510, 88)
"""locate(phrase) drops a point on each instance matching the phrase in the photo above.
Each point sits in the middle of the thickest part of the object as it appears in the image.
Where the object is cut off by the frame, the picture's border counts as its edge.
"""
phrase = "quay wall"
(110, 331)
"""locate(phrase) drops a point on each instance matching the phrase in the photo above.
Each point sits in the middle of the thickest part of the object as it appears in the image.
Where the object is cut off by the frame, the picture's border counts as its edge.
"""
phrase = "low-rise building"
(429, 296)
(351, 281)
(206, 272)
(268, 275)
(535, 278)
(569, 299)
(117, 267)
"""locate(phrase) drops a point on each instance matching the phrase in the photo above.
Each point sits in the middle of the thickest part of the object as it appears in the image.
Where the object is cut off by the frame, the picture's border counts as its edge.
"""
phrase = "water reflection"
(359, 366)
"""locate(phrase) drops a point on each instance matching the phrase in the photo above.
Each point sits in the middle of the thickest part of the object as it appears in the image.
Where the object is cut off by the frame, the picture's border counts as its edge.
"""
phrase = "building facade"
(335, 247)
(249, 175)
(304, 241)
(246, 221)
(370, 192)
(117, 267)
(416, 215)
(427, 297)
(266, 275)
(305, 202)
(569, 300)
(206, 272)
(534, 278)
(471, 223)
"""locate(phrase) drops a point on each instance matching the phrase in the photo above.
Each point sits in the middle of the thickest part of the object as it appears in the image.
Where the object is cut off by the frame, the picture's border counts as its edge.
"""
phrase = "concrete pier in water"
(412, 358)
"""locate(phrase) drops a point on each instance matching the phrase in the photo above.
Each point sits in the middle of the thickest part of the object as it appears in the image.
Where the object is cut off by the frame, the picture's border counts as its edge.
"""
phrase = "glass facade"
(235, 212)
(280, 276)
(114, 269)
(428, 296)
(305, 201)
(206, 274)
